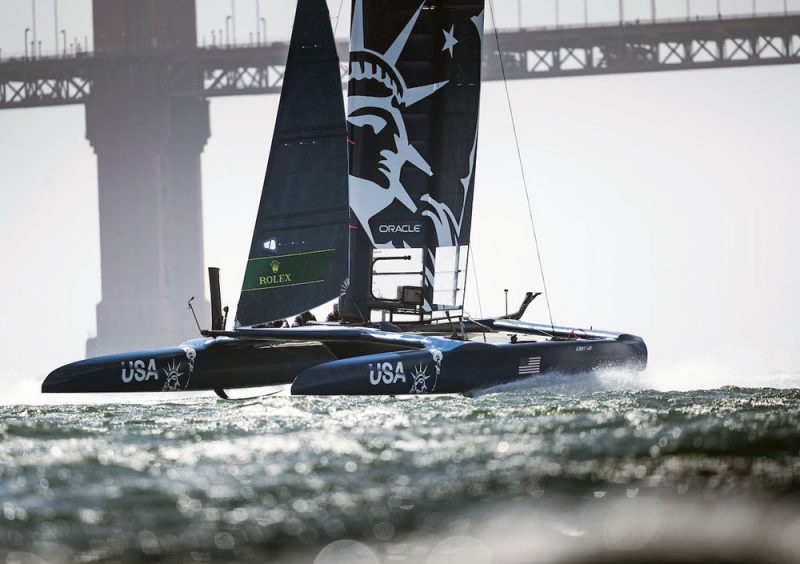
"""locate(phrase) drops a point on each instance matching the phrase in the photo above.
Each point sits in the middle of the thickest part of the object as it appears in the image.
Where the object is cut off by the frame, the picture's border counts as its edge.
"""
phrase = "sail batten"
(299, 252)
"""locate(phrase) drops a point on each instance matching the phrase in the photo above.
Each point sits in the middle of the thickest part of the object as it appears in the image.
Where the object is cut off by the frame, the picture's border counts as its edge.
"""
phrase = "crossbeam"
(526, 54)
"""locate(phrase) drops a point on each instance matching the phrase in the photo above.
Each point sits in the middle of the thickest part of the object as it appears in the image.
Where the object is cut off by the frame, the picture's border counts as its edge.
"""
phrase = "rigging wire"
(338, 17)
(521, 166)
(471, 258)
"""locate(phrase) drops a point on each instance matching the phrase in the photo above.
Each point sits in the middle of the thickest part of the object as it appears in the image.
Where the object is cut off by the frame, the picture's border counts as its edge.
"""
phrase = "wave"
(633, 529)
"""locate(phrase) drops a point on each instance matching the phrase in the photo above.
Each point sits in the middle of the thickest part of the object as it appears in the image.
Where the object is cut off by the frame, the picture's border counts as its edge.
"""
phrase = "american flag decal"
(530, 365)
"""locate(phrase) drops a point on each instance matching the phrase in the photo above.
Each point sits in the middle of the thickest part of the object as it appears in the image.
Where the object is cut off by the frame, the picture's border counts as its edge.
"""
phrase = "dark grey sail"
(299, 253)
(414, 93)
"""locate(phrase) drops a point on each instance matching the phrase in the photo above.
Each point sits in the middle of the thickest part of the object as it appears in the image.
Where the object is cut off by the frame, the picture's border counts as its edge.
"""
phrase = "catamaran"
(354, 202)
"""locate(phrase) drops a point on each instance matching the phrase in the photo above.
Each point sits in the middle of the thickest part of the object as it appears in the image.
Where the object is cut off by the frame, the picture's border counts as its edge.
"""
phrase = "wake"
(18, 389)
(697, 374)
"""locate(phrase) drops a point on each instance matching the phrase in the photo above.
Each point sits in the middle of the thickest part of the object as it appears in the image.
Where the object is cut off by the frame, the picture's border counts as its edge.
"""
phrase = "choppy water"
(541, 473)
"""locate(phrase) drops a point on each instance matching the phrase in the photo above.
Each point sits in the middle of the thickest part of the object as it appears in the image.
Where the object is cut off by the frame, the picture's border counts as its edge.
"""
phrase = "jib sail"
(414, 93)
(299, 253)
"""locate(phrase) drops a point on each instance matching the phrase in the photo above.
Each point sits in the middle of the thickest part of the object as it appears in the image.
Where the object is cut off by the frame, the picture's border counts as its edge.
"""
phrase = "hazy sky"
(666, 204)
(75, 16)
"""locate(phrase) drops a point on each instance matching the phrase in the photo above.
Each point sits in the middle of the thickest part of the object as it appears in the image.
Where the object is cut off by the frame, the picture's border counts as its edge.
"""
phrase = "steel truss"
(662, 46)
(529, 53)
(26, 84)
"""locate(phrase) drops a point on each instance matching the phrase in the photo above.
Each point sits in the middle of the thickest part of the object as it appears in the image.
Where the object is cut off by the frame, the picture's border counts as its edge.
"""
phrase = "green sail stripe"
(283, 286)
(287, 270)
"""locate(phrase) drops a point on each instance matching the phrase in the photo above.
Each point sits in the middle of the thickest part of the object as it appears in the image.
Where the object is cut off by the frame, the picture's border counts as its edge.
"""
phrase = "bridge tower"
(148, 145)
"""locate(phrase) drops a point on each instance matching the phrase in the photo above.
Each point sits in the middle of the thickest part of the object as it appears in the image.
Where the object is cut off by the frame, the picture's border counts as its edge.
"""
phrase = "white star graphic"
(449, 40)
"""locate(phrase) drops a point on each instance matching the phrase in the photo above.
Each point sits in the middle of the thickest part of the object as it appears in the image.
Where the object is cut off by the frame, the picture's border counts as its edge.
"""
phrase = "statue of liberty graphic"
(376, 112)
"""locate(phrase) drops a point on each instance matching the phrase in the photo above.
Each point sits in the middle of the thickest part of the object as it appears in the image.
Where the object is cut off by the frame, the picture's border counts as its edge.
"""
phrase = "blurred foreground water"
(587, 469)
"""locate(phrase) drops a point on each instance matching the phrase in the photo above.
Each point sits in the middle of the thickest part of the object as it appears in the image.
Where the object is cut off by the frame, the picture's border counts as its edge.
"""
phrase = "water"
(552, 470)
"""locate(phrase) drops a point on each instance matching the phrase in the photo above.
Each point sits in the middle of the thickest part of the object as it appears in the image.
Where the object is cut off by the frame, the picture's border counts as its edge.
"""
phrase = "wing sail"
(413, 102)
(414, 93)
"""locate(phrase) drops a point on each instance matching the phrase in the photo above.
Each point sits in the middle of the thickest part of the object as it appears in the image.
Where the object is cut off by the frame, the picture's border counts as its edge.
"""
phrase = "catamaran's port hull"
(342, 362)
(201, 364)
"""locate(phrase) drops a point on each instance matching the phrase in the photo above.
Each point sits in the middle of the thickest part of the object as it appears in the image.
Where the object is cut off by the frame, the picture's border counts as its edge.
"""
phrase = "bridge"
(146, 88)
(546, 52)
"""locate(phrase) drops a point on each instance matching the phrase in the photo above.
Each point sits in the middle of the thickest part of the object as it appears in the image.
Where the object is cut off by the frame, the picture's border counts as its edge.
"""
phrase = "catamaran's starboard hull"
(467, 367)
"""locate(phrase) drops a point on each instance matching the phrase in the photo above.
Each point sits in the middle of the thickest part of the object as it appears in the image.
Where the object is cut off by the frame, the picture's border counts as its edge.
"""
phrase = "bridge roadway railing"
(526, 53)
